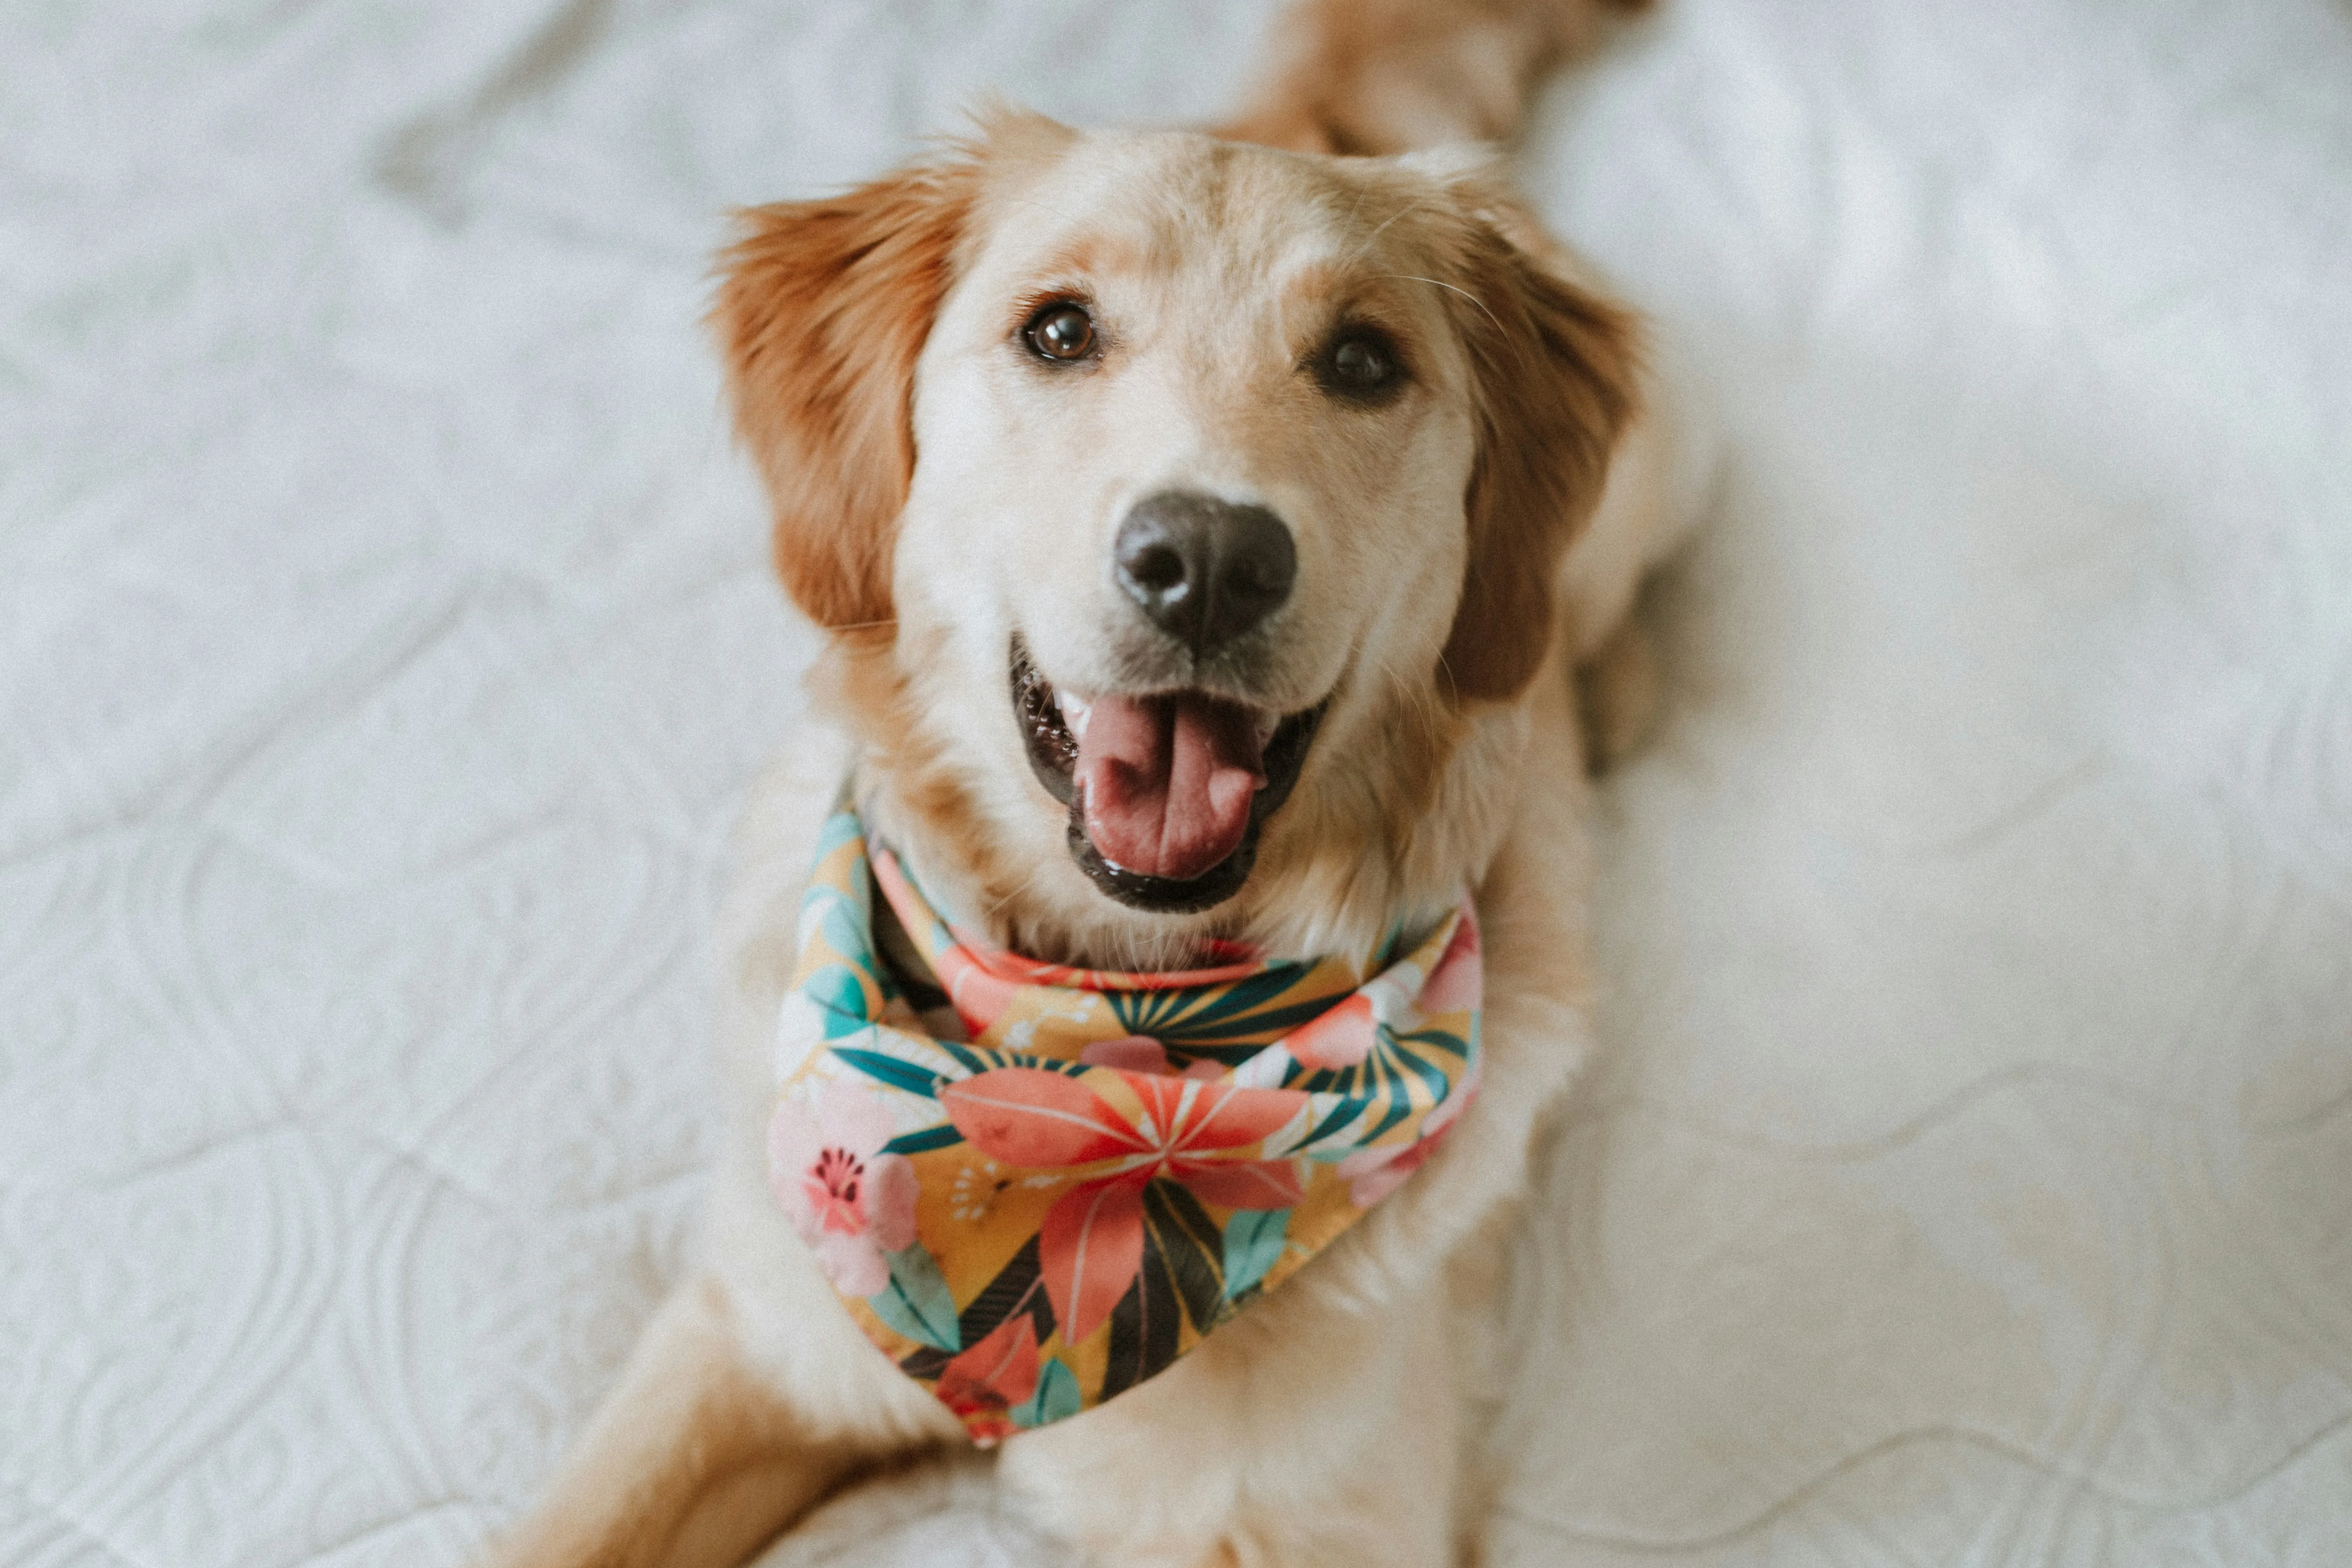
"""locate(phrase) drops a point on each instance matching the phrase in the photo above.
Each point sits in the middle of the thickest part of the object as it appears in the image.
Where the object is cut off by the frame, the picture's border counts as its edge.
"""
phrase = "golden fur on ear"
(1553, 370)
(824, 307)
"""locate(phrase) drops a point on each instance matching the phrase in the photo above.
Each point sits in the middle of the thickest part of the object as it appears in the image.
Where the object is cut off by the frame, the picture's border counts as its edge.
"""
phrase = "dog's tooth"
(1073, 715)
(1267, 724)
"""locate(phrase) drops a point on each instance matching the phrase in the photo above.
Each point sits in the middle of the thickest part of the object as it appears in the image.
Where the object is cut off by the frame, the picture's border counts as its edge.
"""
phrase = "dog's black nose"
(1204, 570)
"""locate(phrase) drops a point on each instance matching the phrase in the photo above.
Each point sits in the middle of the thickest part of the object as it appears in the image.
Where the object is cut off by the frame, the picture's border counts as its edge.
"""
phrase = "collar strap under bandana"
(1036, 1186)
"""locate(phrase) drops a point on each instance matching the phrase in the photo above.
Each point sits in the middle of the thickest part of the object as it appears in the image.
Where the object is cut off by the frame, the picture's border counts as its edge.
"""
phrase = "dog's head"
(1182, 510)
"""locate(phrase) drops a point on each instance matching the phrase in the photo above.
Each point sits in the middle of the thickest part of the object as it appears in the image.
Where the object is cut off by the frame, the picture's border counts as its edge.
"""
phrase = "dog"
(1224, 544)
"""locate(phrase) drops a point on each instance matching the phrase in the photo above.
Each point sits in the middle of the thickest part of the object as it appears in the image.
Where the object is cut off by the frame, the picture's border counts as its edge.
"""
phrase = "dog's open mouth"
(1166, 791)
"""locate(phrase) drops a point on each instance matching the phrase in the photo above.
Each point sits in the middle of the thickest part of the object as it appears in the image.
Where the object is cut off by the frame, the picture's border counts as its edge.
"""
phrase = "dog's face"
(1191, 449)
(1183, 500)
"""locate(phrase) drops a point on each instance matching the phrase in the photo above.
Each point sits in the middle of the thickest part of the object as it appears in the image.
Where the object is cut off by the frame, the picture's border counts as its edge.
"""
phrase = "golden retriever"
(1207, 530)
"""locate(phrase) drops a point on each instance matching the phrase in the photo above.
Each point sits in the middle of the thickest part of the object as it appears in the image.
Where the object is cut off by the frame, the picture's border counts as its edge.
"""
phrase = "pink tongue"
(1168, 782)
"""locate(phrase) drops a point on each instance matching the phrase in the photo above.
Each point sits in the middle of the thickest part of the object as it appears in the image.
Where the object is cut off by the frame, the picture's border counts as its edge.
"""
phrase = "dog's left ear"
(1554, 372)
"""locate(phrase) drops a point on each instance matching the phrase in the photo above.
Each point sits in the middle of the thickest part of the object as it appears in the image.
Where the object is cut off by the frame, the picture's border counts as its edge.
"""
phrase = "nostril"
(1160, 558)
(1157, 568)
(1257, 564)
(1260, 561)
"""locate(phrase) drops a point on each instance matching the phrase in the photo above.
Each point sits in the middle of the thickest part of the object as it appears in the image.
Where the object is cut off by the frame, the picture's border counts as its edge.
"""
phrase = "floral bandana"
(1036, 1186)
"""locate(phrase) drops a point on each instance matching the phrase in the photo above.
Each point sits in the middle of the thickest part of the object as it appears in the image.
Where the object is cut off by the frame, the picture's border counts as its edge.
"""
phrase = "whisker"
(1024, 885)
(1408, 208)
(1409, 277)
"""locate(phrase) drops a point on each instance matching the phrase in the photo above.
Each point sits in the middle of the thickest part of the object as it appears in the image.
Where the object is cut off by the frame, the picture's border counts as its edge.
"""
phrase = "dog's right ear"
(823, 309)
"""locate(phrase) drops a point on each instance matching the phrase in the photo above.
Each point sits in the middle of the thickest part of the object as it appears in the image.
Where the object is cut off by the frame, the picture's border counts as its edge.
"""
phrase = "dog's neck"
(1354, 857)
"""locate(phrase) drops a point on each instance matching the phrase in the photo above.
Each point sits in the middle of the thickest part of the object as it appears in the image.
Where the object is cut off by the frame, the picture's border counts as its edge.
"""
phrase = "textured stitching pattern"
(385, 646)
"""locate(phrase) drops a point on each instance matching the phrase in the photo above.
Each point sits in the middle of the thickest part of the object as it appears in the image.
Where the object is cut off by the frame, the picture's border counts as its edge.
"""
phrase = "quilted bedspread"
(385, 649)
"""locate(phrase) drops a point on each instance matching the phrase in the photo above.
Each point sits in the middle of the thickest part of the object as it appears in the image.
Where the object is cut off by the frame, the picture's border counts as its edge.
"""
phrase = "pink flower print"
(1458, 982)
(1134, 1053)
(1372, 1174)
(1344, 1036)
(979, 996)
(1207, 1137)
(983, 1384)
(1141, 1053)
(1341, 1038)
(850, 1202)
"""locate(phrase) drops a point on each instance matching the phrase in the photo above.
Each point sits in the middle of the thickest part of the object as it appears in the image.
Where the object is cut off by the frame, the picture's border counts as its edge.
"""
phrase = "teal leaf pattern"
(1253, 1243)
(844, 926)
(1214, 1021)
(840, 996)
(902, 1074)
(923, 1143)
(916, 1303)
(1058, 1396)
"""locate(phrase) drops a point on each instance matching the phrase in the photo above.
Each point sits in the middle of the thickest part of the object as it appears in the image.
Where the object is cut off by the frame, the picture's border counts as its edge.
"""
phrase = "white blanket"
(385, 648)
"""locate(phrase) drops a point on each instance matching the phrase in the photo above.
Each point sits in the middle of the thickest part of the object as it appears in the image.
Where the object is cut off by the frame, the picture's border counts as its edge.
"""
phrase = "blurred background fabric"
(386, 648)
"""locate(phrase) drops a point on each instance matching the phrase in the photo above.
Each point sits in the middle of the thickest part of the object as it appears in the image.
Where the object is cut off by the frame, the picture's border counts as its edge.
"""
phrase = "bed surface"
(385, 649)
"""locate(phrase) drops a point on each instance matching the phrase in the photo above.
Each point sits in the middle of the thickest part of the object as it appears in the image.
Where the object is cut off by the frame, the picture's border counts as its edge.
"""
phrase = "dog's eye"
(1061, 330)
(1362, 363)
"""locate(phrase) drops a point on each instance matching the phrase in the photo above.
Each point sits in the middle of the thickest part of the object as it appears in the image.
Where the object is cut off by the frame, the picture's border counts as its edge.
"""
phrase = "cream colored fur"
(1326, 1423)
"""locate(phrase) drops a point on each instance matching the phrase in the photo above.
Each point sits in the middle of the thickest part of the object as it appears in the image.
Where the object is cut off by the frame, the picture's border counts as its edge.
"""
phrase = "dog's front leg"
(693, 1461)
